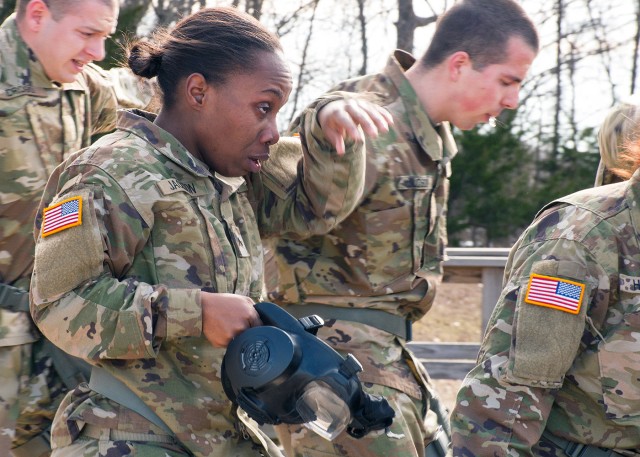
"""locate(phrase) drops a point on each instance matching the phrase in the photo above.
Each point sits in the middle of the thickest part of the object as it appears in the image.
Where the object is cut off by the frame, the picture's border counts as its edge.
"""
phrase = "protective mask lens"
(322, 410)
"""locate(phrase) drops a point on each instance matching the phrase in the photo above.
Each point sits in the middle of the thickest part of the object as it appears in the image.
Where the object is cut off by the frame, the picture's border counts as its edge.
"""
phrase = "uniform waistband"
(377, 318)
(101, 433)
(573, 449)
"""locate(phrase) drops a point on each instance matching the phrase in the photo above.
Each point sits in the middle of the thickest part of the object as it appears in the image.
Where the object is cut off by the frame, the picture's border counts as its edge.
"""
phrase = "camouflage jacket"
(387, 254)
(121, 287)
(41, 122)
(561, 349)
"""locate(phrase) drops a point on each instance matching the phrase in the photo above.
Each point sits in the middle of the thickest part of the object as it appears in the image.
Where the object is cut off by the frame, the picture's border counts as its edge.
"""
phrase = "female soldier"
(149, 260)
(558, 369)
(620, 127)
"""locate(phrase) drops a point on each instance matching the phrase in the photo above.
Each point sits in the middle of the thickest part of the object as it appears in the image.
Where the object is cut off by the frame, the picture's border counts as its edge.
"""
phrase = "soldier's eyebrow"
(513, 78)
(96, 31)
(277, 92)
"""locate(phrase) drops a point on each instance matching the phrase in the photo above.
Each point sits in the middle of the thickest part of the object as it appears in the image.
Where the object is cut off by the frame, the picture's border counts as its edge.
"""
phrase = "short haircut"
(215, 42)
(58, 8)
(482, 29)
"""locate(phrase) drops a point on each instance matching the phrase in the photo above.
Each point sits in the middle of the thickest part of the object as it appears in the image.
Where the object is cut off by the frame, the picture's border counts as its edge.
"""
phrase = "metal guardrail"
(485, 265)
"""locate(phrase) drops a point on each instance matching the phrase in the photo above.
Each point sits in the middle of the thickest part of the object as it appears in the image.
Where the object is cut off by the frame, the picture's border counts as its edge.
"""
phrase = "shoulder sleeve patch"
(556, 293)
(70, 257)
(61, 216)
(545, 342)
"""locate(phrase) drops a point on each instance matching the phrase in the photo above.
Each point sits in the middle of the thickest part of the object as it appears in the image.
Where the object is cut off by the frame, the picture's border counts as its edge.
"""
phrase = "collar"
(140, 123)
(633, 199)
(438, 141)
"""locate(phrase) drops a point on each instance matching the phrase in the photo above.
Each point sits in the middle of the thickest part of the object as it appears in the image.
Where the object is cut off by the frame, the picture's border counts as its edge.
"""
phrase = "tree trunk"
(558, 91)
(303, 70)
(407, 24)
(363, 36)
(634, 67)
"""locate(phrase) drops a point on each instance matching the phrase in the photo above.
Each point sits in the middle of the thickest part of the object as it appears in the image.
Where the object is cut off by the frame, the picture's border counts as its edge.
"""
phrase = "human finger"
(372, 118)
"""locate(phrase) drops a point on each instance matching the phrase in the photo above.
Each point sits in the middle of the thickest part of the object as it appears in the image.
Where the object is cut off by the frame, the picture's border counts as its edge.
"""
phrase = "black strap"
(573, 449)
(377, 318)
(439, 446)
(110, 387)
(71, 370)
(14, 299)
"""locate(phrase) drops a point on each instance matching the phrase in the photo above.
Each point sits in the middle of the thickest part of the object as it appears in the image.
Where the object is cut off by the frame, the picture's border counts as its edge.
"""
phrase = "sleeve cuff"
(184, 313)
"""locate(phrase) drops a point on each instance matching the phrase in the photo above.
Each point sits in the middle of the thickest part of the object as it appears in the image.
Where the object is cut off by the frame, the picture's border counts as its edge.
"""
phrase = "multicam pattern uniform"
(575, 375)
(41, 122)
(158, 228)
(386, 255)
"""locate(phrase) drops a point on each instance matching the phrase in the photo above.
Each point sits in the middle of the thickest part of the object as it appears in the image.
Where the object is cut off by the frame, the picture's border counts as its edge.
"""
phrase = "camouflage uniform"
(385, 256)
(41, 122)
(158, 227)
(564, 362)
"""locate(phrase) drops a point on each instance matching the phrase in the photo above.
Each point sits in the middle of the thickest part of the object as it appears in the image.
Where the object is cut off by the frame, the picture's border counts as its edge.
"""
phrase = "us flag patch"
(62, 215)
(554, 293)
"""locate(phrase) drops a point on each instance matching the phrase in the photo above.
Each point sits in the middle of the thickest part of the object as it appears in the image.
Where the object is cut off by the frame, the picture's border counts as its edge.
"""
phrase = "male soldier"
(52, 100)
(377, 271)
(558, 369)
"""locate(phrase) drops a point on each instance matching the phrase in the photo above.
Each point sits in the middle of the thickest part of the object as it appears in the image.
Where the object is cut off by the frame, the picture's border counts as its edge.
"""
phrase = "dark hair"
(482, 29)
(214, 42)
(58, 8)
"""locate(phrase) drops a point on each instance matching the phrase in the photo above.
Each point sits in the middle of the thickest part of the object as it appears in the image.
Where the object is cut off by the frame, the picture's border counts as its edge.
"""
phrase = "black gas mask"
(282, 373)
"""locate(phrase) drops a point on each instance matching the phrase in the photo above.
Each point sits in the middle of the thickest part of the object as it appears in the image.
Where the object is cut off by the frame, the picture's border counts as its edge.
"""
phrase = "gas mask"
(282, 373)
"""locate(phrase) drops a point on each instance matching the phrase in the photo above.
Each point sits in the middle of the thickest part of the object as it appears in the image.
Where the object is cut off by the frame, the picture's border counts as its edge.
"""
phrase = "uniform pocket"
(389, 247)
(181, 244)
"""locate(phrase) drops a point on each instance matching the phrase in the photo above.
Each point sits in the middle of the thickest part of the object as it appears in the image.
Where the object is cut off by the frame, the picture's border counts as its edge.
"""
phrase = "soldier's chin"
(66, 77)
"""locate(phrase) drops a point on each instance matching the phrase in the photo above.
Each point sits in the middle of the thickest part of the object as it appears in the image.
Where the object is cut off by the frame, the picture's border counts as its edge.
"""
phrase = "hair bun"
(144, 60)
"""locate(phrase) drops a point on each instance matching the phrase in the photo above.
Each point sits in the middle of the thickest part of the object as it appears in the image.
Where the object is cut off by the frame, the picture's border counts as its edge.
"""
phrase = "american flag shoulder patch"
(556, 293)
(62, 215)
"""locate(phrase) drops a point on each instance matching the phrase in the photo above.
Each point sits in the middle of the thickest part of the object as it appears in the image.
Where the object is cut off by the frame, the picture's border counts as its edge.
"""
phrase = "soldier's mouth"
(79, 64)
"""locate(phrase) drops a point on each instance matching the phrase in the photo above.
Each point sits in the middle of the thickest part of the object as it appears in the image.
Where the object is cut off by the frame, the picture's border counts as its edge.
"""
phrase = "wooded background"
(504, 174)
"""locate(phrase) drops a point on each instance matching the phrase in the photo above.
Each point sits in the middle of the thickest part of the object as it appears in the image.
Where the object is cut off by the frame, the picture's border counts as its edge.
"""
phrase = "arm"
(504, 403)
(84, 298)
(307, 187)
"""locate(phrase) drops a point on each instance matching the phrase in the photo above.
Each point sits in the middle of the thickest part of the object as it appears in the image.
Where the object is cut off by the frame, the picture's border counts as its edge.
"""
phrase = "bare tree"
(408, 22)
(634, 66)
(253, 7)
(168, 12)
(303, 63)
(559, 88)
(362, 20)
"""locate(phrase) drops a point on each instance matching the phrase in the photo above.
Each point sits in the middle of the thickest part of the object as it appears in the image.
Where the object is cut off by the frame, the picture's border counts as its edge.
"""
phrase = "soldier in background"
(620, 127)
(163, 257)
(52, 100)
(558, 369)
(376, 273)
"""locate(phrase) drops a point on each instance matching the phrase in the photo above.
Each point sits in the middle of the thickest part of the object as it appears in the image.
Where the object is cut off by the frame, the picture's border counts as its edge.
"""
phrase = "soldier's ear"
(36, 13)
(196, 90)
(456, 64)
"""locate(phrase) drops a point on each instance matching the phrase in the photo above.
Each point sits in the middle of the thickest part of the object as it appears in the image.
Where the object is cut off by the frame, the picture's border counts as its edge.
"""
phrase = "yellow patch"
(556, 293)
(61, 216)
